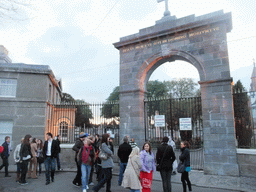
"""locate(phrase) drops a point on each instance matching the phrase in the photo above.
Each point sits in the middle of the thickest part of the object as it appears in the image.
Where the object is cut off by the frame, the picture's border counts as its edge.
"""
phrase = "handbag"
(102, 155)
(181, 167)
(158, 166)
(40, 159)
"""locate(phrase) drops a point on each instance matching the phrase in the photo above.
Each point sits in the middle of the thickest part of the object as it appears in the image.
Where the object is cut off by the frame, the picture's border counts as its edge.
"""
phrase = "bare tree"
(13, 10)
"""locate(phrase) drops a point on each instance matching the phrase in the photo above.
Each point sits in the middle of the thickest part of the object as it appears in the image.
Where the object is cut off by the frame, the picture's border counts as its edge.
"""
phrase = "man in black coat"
(123, 153)
(5, 154)
(165, 157)
(50, 152)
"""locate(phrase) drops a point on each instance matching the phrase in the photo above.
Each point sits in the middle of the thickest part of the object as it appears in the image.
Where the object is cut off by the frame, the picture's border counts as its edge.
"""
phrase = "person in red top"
(86, 158)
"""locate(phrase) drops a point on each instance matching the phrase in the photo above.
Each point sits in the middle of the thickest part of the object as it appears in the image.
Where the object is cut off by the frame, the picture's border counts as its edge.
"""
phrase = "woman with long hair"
(148, 167)
(131, 178)
(25, 156)
(40, 157)
(185, 158)
(107, 165)
(33, 160)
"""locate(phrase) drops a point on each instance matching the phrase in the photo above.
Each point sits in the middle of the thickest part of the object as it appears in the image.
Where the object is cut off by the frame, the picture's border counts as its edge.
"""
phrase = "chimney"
(4, 55)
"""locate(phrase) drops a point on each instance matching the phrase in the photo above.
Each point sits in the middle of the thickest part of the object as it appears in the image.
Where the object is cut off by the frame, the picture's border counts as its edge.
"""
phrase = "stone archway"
(200, 41)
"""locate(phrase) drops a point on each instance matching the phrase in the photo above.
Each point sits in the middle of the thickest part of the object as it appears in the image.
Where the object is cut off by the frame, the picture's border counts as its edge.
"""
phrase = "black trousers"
(166, 179)
(5, 165)
(107, 172)
(184, 179)
(78, 177)
(24, 170)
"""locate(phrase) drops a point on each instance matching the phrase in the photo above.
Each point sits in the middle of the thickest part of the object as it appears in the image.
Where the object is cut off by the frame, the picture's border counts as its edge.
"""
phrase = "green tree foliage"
(111, 107)
(156, 89)
(183, 87)
(242, 115)
(83, 111)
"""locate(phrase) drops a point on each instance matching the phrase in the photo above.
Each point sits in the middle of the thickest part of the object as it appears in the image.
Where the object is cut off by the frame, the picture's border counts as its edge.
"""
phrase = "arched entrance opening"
(173, 92)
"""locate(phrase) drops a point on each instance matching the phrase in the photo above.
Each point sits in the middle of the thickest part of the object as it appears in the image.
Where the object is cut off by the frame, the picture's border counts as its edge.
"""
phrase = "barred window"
(8, 87)
(64, 129)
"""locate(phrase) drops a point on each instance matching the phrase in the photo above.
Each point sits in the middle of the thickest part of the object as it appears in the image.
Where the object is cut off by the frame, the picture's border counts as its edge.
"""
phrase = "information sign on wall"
(185, 124)
(159, 120)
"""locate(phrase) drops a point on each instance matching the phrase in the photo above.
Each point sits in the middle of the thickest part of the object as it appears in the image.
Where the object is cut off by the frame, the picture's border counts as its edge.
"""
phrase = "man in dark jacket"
(50, 152)
(123, 153)
(79, 143)
(5, 154)
(58, 156)
(165, 158)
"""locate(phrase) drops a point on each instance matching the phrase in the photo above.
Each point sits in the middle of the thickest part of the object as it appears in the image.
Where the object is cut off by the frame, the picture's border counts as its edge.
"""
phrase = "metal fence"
(173, 110)
(70, 119)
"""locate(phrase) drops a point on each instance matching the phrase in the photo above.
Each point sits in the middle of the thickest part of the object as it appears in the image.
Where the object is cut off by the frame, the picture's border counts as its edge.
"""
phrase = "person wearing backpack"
(5, 154)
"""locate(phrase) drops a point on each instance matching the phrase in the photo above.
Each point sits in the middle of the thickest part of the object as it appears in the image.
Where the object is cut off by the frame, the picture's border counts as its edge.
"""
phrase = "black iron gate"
(173, 110)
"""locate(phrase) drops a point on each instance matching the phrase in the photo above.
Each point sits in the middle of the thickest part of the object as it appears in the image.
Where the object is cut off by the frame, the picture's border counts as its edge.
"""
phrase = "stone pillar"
(219, 133)
(132, 116)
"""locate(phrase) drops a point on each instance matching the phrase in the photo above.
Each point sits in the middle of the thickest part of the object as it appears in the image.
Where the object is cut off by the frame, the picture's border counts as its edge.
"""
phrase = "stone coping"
(246, 151)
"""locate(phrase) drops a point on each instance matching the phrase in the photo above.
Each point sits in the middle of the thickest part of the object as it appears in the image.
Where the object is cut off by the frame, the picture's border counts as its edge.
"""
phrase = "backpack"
(1, 149)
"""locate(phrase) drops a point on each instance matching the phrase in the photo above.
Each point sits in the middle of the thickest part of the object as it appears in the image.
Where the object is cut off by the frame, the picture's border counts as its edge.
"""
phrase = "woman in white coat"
(132, 172)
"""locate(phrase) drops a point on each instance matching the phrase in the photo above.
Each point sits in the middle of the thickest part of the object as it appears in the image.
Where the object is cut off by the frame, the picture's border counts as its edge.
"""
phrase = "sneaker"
(84, 190)
(91, 183)
(76, 184)
(47, 183)
(7, 175)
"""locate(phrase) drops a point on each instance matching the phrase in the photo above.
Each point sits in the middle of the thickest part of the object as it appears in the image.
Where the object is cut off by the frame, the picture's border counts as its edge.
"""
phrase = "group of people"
(29, 156)
(136, 167)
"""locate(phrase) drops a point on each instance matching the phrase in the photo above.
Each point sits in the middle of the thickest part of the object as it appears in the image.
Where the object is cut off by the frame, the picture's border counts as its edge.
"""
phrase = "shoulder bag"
(181, 167)
(102, 155)
(158, 167)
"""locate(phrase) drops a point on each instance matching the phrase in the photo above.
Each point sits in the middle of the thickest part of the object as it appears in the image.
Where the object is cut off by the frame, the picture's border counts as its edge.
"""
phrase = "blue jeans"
(134, 190)
(50, 165)
(121, 172)
(86, 170)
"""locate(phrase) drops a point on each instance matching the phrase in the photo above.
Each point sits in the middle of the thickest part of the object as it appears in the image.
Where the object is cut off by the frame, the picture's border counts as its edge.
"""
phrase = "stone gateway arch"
(202, 42)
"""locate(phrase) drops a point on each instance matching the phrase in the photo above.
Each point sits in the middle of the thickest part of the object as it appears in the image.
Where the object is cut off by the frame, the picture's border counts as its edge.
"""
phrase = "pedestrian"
(111, 144)
(148, 167)
(132, 143)
(58, 138)
(50, 152)
(185, 158)
(107, 165)
(5, 155)
(86, 157)
(175, 163)
(92, 138)
(165, 158)
(78, 144)
(98, 161)
(16, 156)
(131, 178)
(33, 160)
(40, 156)
(123, 153)
(25, 156)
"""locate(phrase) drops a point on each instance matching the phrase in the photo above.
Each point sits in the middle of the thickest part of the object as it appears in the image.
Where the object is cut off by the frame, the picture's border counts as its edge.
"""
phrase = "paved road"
(63, 183)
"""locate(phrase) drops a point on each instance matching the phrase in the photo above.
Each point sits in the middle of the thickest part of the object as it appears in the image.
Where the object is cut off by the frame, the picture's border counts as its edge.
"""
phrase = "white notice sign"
(185, 124)
(159, 121)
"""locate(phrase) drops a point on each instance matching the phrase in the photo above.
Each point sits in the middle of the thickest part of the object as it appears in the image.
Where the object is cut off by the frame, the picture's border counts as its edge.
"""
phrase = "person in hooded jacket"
(185, 158)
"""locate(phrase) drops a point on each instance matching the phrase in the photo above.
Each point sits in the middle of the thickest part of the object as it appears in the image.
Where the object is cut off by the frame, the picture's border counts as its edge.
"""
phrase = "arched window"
(63, 129)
